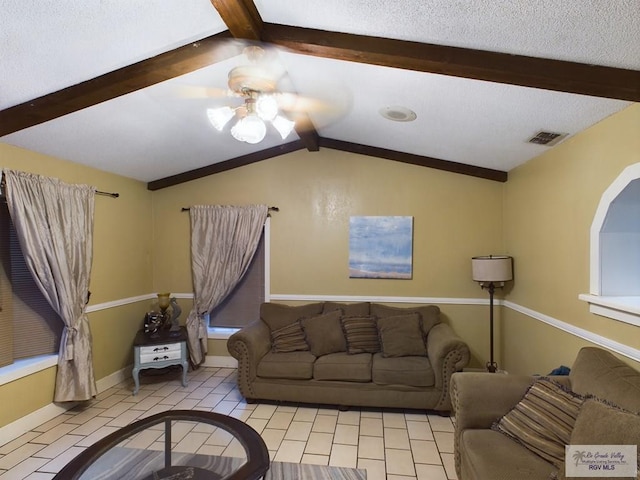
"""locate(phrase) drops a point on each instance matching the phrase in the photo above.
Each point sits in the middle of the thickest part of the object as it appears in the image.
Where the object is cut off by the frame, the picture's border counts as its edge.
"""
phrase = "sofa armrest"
(479, 398)
(248, 346)
(447, 353)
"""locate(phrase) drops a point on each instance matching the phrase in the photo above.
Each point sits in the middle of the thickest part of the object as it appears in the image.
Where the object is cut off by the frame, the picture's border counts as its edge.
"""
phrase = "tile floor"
(391, 445)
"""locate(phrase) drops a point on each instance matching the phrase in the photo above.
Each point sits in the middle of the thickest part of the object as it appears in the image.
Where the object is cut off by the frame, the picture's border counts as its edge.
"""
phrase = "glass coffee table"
(161, 447)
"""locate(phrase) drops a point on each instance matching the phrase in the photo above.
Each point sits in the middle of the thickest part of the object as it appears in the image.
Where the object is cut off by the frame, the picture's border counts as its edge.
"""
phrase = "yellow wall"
(455, 217)
(549, 206)
(541, 216)
(121, 269)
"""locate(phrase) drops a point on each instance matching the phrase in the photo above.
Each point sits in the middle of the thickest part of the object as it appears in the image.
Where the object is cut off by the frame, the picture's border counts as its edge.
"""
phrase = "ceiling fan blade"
(199, 92)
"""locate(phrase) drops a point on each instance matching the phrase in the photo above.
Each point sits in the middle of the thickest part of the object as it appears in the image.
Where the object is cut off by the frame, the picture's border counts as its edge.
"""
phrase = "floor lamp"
(491, 272)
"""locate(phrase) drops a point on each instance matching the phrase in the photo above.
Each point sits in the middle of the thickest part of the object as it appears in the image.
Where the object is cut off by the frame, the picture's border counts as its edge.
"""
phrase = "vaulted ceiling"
(103, 83)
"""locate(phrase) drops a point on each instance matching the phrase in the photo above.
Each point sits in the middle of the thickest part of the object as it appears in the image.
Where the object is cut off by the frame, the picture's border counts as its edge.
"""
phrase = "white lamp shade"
(250, 129)
(283, 125)
(219, 117)
(266, 107)
(492, 268)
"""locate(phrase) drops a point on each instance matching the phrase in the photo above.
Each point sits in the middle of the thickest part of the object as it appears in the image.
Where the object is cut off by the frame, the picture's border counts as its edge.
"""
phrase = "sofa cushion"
(276, 315)
(429, 314)
(412, 371)
(361, 333)
(599, 373)
(289, 338)
(543, 420)
(348, 309)
(293, 365)
(599, 423)
(323, 333)
(342, 366)
(486, 454)
(401, 336)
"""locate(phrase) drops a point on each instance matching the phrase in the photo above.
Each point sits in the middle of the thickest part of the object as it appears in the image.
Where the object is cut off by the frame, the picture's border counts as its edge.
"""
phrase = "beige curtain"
(223, 241)
(54, 223)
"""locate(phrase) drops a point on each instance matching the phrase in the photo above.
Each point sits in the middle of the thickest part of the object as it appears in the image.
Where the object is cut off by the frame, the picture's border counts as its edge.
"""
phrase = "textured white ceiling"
(154, 133)
(585, 31)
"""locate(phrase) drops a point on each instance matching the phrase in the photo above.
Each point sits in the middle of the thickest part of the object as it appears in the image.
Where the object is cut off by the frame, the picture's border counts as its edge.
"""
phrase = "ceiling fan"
(268, 98)
(257, 84)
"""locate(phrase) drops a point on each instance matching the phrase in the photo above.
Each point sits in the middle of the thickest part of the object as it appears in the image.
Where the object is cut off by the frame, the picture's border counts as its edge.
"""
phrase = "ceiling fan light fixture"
(250, 129)
(283, 125)
(219, 117)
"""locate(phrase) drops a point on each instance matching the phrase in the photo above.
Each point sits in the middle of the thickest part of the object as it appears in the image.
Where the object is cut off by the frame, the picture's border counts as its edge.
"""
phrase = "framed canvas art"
(381, 247)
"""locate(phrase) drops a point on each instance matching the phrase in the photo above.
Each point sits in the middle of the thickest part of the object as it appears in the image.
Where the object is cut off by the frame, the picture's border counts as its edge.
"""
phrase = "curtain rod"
(270, 209)
(107, 194)
(98, 192)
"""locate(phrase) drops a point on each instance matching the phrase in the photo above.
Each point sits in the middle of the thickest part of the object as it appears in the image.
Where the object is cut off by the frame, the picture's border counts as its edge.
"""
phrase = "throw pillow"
(599, 423)
(401, 336)
(543, 420)
(276, 315)
(361, 333)
(429, 314)
(348, 309)
(289, 338)
(323, 333)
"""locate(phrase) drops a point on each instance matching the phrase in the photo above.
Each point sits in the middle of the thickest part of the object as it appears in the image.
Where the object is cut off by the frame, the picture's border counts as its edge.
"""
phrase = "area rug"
(122, 463)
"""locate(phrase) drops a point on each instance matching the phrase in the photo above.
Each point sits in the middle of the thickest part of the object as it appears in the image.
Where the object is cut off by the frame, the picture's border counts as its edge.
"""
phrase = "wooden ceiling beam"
(120, 82)
(241, 17)
(557, 75)
(439, 164)
(226, 165)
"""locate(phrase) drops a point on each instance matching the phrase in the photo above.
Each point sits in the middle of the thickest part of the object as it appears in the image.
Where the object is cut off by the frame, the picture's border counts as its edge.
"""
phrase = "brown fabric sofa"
(482, 399)
(358, 354)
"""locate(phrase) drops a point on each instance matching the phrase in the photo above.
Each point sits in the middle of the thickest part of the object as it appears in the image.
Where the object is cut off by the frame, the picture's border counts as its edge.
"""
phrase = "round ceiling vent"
(398, 114)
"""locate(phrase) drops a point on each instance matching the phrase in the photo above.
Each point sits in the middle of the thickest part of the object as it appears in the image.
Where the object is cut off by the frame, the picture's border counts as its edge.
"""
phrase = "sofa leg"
(343, 408)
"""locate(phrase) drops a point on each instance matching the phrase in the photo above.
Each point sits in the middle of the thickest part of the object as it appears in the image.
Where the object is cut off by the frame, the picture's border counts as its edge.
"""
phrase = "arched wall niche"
(615, 250)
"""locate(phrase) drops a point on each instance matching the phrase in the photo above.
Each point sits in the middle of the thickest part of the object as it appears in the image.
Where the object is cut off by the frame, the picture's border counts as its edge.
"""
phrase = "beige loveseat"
(598, 382)
(358, 354)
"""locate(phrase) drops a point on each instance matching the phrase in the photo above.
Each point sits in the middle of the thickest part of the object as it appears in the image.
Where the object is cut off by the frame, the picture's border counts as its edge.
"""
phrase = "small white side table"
(163, 350)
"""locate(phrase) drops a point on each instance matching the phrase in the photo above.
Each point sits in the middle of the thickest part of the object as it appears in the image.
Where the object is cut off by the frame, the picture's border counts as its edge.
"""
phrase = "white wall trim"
(623, 309)
(127, 301)
(604, 342)
(114, 379)
(24, 424)
(380, 299)
(21, 426)
(27, 366)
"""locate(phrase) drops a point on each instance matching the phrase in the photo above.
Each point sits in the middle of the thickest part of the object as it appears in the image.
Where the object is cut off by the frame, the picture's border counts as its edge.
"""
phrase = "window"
(242, 306)
(615, 250)
(28, 325)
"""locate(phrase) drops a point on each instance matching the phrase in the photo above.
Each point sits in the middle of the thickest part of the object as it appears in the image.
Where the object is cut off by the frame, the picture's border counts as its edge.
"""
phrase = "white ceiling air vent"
(548, 139)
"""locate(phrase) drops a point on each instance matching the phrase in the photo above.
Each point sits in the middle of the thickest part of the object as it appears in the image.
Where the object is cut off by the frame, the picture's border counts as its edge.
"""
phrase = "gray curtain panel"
(223, 242)
(54, 224)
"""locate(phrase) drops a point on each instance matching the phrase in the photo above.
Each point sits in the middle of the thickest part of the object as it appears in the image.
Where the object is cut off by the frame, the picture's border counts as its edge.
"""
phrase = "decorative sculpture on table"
(165, 319)
(175, 314)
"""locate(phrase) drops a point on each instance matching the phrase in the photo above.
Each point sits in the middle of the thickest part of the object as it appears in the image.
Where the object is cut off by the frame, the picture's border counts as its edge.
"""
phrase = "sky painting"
(381, 247)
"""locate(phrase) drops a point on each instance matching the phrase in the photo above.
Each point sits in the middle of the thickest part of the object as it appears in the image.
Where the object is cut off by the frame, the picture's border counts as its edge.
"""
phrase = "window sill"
(27, 366)
(623, 309)
(220, 333)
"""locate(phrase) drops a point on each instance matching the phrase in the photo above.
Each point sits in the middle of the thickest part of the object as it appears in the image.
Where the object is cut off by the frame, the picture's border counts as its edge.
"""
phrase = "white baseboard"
(34, 419)
(220, 361)
(49, 412)
(114, 379)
